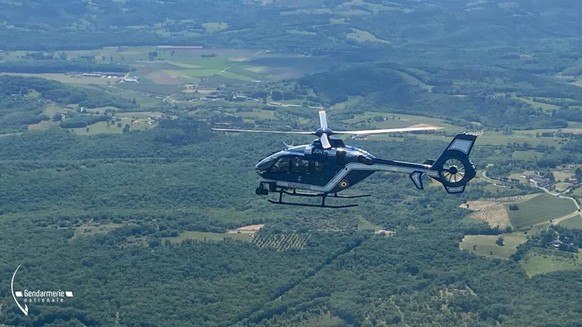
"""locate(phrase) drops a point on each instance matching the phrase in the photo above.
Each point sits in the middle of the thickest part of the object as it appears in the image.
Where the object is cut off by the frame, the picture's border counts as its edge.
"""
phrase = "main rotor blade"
(260, 131)
(391, 130)
(325, 141)
(322, 119)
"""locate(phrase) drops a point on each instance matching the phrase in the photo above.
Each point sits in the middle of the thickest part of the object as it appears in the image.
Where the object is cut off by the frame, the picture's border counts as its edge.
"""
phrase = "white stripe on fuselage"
(354, 166)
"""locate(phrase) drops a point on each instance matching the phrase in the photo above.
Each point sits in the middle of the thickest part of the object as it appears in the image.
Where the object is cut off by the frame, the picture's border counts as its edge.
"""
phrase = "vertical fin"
(461, 142)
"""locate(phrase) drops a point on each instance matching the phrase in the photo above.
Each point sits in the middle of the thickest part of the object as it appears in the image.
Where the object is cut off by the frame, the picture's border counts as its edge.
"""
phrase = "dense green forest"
(384, 86)
(121, 192)
(54, 183)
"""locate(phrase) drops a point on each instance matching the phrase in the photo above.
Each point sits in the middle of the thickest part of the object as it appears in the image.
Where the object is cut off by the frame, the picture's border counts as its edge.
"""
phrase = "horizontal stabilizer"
(416, 178)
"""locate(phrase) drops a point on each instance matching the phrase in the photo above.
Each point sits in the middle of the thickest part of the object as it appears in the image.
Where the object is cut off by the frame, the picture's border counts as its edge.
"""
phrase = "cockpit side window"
(282, 165)
(316, 167)
(299, 165)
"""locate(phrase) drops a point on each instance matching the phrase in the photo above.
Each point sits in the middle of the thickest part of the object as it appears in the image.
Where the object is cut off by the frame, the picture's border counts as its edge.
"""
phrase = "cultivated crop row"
(281, 242)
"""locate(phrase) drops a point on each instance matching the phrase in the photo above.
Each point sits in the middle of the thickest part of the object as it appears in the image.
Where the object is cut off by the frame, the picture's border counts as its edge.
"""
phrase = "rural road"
(559, 219)
(558, 195)
(491, 180)
(237, 63)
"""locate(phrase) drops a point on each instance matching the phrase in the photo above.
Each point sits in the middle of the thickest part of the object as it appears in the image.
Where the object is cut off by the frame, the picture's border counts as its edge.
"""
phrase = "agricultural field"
(537, 104)
(521, 137)
(257, 114)
(364, 36)
(539, 209)
(281, 242)
(542, 261)
(208, 237)
(493, 211)
(494, 214)
(177, 75)
(43, 125)
(91, 229)
(75, 79)
(383, 120)
(140, 115)
(166, 69)
(249, 229)
(372, 119)
(98, 128)
(574, 222)
(484, 245)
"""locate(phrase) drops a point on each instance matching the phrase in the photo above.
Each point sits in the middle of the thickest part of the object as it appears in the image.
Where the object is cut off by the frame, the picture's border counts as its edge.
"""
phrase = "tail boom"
(453, 168)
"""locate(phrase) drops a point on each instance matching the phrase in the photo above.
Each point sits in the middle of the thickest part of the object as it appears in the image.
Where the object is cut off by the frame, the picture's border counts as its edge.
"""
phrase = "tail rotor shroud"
(454, 168)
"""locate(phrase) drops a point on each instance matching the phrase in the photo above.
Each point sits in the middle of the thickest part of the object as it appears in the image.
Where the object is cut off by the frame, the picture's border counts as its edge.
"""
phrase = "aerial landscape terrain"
(113, 185)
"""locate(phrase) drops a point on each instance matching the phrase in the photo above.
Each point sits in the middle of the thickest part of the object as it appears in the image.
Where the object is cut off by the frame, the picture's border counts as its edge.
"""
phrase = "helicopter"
(327, 166)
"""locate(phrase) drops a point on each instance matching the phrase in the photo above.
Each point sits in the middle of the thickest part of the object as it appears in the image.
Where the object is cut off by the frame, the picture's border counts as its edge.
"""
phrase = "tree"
(152, 55)
(367, 323)
(57, 116)
(499, 241)
(277, 95)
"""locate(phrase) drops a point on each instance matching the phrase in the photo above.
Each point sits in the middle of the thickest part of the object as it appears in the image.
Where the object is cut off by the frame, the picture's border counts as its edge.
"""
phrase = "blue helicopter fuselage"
(311, 167)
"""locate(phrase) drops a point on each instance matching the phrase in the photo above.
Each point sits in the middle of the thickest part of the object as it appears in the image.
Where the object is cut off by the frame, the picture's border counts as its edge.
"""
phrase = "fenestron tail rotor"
(453, 170)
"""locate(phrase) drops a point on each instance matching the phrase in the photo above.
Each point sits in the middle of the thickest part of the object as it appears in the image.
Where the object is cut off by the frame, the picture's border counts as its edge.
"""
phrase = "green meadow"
(541, 208)
(542, 261)
(484, 245)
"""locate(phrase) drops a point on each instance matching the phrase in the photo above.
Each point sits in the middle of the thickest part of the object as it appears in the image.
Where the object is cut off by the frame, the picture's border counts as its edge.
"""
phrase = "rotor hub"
(456, 171)
(320, 131)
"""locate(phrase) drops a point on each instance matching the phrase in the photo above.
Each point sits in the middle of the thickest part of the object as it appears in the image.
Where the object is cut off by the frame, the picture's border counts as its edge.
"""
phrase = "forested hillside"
(310, 26)
(114, 186)
(143, 192)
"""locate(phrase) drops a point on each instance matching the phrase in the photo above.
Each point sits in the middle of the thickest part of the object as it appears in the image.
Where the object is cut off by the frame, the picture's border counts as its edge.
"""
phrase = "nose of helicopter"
(262, 166)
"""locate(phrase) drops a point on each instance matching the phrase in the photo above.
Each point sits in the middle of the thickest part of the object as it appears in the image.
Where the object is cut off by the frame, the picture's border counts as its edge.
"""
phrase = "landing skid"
(323, 197)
